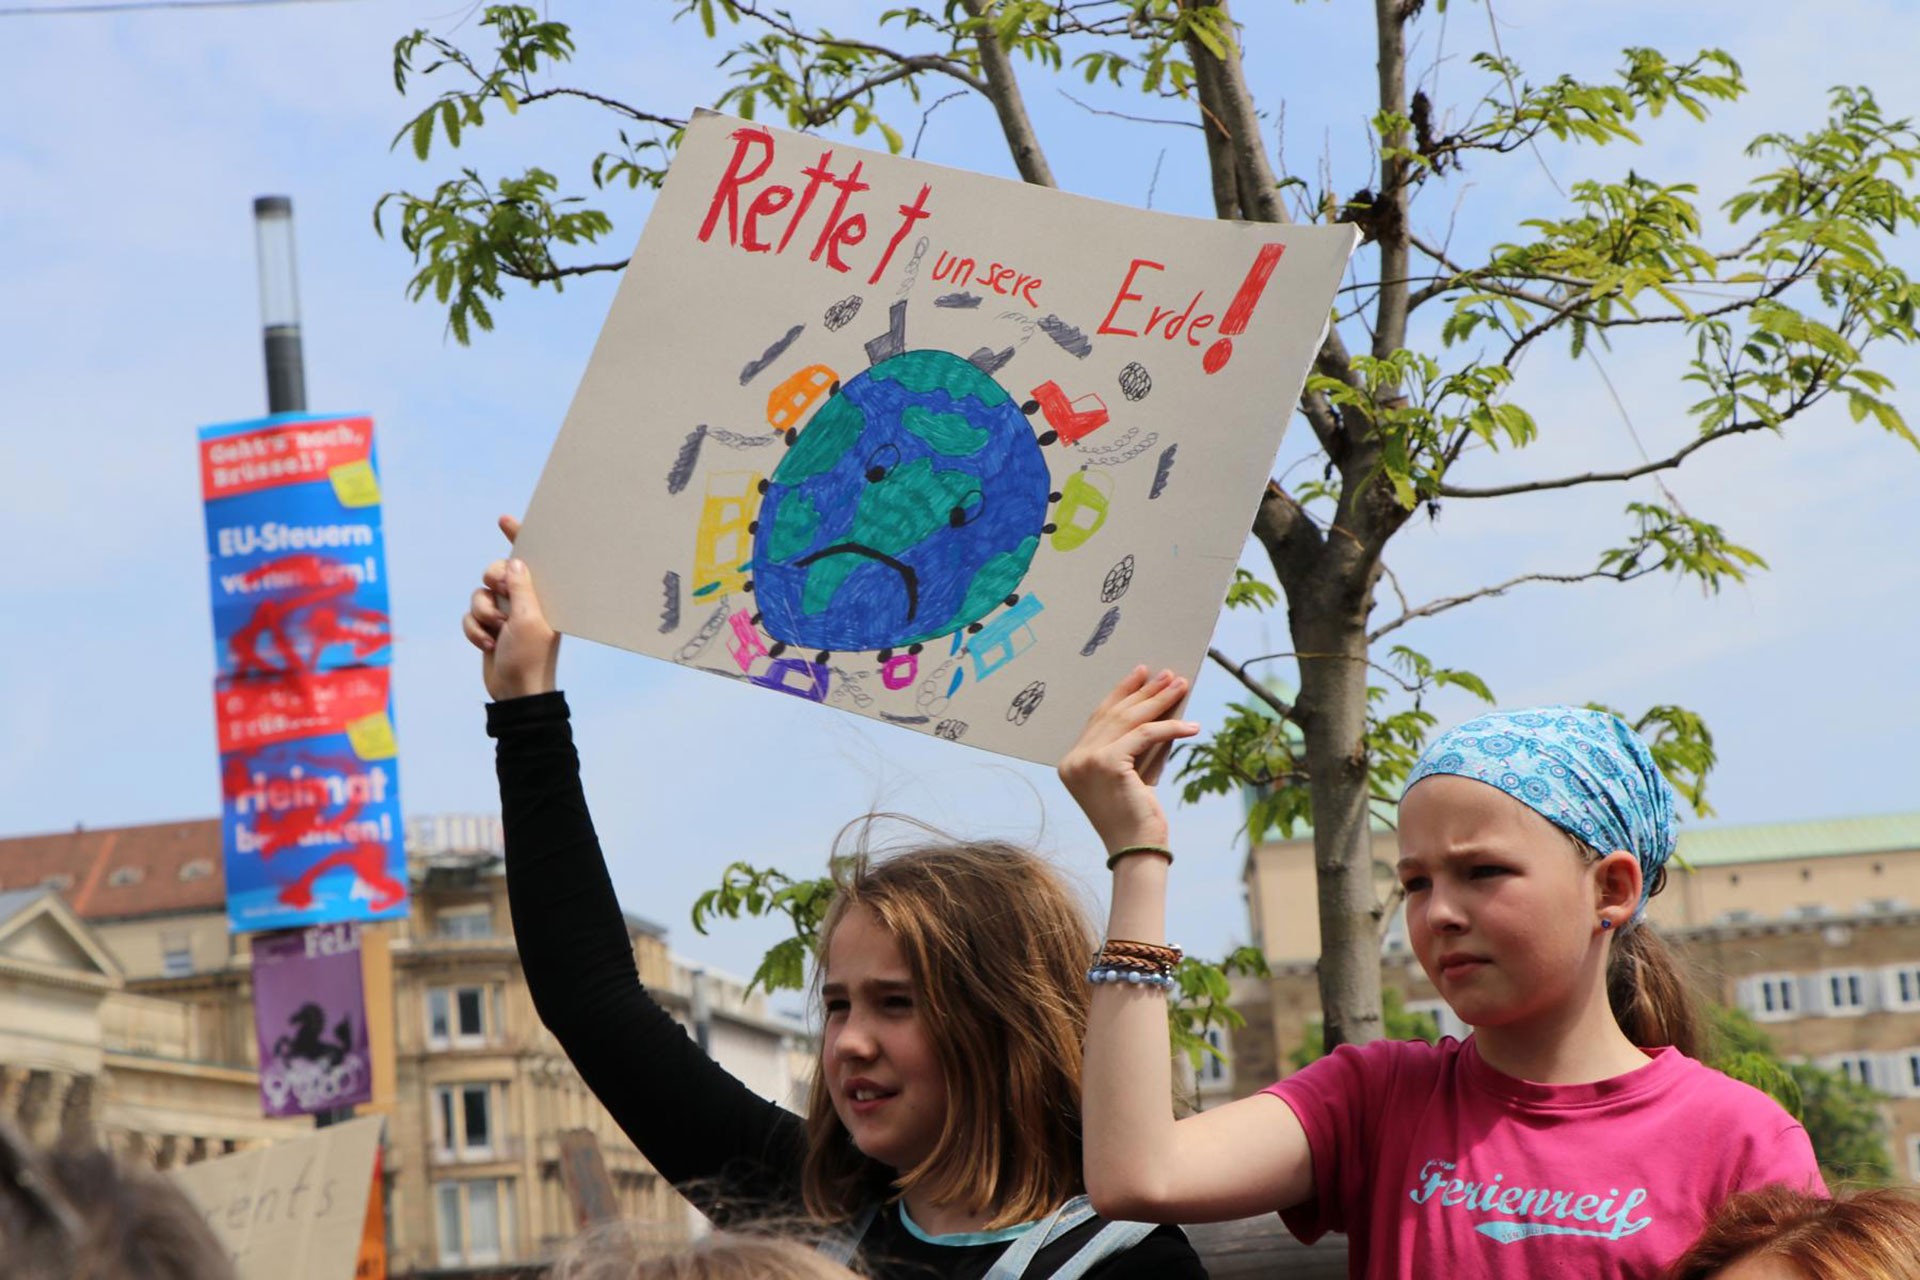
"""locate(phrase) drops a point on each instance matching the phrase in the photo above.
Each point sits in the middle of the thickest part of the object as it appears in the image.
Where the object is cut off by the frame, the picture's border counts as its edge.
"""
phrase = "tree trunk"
(1390, 216)
(1004, 92)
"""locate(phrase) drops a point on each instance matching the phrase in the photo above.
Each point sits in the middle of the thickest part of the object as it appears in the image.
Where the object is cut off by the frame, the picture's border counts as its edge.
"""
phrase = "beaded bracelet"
(1162, 981)
(1135, 963)
(1113, 859)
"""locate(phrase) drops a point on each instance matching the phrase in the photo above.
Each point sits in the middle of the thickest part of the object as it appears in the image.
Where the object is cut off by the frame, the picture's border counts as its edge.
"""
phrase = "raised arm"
(1245, 1158)
(706, 1132)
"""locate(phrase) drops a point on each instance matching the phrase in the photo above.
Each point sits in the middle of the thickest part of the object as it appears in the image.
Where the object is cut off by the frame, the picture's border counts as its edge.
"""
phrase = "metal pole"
(286, 372)
(279, 304)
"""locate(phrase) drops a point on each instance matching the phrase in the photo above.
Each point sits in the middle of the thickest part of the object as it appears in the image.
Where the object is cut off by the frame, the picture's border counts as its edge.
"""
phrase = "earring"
(1605, 923)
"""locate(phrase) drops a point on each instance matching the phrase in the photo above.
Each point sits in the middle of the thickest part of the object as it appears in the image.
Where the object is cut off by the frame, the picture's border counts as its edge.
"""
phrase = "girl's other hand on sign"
(520, 651)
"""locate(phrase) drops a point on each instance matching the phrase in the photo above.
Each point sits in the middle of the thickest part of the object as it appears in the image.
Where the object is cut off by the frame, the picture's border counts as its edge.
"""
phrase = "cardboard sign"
(294, 1210)
(944, 450)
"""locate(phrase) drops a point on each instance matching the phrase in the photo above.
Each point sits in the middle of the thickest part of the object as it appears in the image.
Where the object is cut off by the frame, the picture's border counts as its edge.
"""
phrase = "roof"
(1779, 841)
(14, 902)
(114, 872)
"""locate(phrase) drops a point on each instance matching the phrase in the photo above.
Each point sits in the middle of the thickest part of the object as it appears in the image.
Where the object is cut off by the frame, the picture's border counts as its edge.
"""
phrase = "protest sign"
(294, 1210)
(941, 449)
(310, 799)
(310, 1018)
(309, 780)
(295, 556)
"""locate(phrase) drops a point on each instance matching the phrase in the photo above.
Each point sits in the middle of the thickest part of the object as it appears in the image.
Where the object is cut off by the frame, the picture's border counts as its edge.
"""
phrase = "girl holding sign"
(942, 1137)
(1570, 1135)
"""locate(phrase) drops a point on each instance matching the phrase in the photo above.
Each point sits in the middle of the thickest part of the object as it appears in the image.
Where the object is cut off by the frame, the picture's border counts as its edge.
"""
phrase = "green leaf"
(422, 134)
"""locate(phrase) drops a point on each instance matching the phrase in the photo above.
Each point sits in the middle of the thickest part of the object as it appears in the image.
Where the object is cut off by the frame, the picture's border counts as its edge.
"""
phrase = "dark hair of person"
(81, 1213)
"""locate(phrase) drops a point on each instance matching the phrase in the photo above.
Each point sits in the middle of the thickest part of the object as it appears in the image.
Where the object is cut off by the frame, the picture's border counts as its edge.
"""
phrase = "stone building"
(117, 939)
(1811, 927)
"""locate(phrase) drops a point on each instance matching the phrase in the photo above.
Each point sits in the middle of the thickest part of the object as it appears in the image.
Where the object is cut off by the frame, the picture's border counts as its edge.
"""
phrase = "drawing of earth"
(908, 507)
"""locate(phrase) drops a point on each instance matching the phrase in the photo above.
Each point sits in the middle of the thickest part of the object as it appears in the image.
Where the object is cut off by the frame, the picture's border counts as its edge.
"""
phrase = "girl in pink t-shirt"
(1573, 1134)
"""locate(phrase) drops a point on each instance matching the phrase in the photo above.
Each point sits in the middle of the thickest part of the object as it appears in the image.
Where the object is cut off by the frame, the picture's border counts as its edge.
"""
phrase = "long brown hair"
(1649, 988)
(997, 948)
(1872, 1236)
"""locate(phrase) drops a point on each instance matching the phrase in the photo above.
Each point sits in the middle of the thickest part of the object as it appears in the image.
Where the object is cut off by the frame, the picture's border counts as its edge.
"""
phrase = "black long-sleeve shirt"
(734, 1154)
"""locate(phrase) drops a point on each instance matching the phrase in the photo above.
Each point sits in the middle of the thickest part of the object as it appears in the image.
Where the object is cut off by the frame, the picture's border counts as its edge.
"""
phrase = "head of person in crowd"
(953, 986)
(1778, 1233)
(626, 1251)
(1531, 843)
(81, 1213)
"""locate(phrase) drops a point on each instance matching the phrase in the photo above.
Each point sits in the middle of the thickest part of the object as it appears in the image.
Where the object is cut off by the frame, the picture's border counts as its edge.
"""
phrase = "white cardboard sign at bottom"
(294, 1210)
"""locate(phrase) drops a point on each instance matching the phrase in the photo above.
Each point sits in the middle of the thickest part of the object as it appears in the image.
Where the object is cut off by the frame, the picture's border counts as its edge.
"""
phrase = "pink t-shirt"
(1435, 1164)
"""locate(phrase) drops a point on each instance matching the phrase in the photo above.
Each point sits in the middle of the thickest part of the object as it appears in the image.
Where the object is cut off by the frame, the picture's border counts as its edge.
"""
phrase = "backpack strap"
(1114, 1237)
(840, 1244)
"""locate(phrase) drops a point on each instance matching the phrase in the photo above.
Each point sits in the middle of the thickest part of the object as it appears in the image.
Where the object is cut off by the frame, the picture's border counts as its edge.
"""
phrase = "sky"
(132, 145)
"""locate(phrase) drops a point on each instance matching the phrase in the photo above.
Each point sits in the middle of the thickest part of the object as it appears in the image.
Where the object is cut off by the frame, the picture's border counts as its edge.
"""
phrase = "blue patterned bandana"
(1586, 772)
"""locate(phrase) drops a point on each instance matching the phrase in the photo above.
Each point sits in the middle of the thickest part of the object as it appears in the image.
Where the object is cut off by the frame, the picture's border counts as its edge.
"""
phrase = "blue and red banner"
(310, 794)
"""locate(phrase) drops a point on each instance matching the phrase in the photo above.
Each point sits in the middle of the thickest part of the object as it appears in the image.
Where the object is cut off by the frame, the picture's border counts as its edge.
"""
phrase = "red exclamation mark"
(1241, 310)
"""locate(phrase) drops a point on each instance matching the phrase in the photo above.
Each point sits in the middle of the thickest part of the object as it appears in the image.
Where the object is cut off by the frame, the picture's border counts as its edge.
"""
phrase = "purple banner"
(309, 1013)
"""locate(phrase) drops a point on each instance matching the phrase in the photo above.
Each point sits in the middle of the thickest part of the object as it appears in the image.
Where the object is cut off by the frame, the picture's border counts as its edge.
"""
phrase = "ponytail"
(1652, 993)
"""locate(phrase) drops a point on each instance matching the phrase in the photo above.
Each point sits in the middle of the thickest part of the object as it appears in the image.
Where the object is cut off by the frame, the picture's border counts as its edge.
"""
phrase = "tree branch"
(544, 275)
(1090, 109)
(1603, 477)
(1445, 603)
(1003, 90)
(612, 104)
(1280, 708)
(1390, 212)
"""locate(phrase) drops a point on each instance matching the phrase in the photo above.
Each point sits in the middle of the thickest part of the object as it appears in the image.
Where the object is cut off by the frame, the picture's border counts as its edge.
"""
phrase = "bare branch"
(1445, 603)
(1280, 707)
(1121, 115)
(928, 115)
(1405, 684)
(1667, 463)
(612, 104)
(542, 275)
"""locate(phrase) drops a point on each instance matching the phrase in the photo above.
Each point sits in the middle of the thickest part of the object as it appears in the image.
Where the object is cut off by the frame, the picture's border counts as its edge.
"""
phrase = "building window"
(1910, 1071)
(1913, 1157)
(1215, 1070)
(463, 1121)
(176, 958)
(475, 1220)
(1903, 986)
(468, 922)
(1846, 991)
(1859, 1068)
(457, 1016)
(1775, 996)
